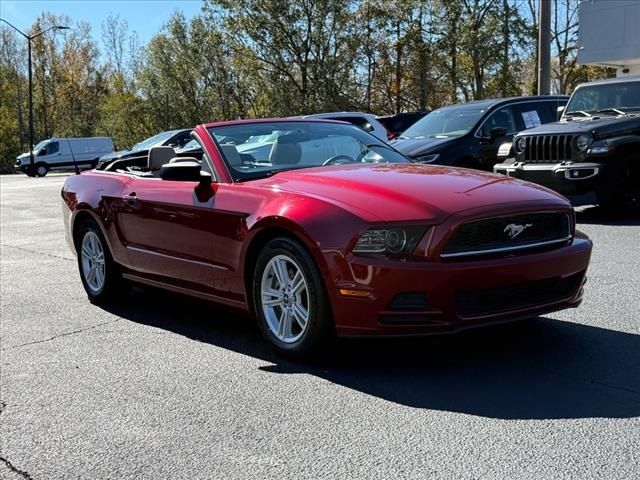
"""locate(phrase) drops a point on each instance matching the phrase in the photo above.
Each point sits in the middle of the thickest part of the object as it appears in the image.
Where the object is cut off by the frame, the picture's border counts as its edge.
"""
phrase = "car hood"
(412, 147)
(600, 126)
(401, 192)
(114, 155)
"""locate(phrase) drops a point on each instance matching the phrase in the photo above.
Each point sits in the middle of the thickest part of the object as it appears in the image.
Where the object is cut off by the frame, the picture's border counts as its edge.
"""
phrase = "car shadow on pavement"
(537, 369)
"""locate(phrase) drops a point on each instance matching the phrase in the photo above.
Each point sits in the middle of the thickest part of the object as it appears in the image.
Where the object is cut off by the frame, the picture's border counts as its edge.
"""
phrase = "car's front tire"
(99, 273)
(41, 169)
(619, 193)
(290, 300)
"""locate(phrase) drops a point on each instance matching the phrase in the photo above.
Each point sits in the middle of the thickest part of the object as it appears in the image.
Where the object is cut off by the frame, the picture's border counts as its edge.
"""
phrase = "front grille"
(548, 148)
(515, 297)
(509, 233)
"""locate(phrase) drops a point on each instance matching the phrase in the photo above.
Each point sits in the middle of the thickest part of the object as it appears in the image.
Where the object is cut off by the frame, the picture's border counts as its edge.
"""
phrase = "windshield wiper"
(614, 110)
(253, 177)
(270, 173)
(581, 112)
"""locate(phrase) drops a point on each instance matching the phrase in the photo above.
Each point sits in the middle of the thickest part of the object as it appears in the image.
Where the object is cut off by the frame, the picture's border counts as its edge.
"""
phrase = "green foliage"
(259, 58)
(9, 128)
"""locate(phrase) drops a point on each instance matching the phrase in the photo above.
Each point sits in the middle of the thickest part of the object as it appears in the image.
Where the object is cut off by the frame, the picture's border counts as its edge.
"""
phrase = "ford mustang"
(318, 229)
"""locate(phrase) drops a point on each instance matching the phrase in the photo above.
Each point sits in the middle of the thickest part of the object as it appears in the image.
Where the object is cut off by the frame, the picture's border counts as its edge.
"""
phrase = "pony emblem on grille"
(514, 229)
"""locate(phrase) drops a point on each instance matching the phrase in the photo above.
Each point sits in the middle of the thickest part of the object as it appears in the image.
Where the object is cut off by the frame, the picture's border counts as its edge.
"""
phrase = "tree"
(300, 46)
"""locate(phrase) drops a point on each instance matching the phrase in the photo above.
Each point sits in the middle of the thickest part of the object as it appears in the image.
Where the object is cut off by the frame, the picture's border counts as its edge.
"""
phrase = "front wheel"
(620, 194)
(41, 169)
(100, 275)
(290, 299)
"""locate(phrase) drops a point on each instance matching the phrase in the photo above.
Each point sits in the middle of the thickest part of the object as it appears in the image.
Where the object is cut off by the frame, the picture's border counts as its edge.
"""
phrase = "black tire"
(619, 193)
(319, 330)
(41, 169)
(113, 284)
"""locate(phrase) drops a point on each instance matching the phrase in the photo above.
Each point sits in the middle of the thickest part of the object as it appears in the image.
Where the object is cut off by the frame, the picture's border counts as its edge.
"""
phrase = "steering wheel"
(339, 160)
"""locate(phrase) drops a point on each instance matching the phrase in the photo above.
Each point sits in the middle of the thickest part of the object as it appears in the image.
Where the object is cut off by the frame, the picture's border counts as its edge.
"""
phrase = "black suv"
(172, 138)
(595, 147)
(470, 134)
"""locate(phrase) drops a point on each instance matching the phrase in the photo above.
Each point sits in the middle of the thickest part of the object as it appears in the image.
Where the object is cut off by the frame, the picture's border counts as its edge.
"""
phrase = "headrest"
(158, 156)
(285, 151)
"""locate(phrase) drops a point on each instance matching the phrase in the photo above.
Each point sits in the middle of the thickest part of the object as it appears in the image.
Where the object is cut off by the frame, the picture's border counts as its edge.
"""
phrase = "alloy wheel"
(285, 298)
(93, 266)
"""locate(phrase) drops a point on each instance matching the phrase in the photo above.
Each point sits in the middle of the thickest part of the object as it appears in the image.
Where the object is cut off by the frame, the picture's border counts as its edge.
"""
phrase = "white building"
(609, 35)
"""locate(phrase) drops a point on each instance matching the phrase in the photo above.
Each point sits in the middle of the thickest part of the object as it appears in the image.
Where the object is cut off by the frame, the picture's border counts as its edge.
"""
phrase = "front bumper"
(444, 283)
(22, 168)
(568, 178)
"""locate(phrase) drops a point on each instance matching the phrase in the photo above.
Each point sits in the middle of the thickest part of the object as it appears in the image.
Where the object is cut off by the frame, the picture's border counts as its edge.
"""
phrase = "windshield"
(158, 139)
(591, 99)
(446, 122)
(271, 147)
(40, 145)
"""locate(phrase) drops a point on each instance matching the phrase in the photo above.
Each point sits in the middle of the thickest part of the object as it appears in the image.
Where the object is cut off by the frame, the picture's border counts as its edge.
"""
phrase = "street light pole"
(31, 160)
(544, 47)
(29, 38)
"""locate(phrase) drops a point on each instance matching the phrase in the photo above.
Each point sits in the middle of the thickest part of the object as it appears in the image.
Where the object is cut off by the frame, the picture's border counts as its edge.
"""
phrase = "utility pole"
(29, 39)
(544, 47)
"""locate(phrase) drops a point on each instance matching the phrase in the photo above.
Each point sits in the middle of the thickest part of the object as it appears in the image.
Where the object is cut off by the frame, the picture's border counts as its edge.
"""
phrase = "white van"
(64, 154)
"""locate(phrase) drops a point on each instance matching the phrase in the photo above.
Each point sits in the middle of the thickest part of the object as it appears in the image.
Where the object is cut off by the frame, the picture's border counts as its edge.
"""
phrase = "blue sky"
(144, 16)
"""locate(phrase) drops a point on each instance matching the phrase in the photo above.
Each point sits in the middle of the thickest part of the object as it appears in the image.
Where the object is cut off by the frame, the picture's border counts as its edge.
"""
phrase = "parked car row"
(591, 149)
(83, 153)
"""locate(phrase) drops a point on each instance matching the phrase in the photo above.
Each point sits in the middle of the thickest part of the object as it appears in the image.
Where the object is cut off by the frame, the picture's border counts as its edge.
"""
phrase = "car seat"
(285, 151)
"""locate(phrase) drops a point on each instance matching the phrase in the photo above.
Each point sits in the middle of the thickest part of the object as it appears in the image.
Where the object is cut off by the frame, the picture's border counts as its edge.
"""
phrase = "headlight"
(582, 142)
(427, 158)
(521, 144)
(396, 240)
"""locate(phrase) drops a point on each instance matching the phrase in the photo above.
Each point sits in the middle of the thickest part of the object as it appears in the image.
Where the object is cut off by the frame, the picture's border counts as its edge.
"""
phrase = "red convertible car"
(318, 228)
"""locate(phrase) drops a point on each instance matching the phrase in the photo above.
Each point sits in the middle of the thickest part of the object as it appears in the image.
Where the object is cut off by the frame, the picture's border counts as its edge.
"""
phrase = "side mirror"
(497, 132)
(185, 172)
(560, 111)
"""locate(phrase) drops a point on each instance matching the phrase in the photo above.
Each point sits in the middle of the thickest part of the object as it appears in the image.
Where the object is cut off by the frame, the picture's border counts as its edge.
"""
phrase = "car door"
(168, 230)
(176, 233)
(52, 155)
(488, 149)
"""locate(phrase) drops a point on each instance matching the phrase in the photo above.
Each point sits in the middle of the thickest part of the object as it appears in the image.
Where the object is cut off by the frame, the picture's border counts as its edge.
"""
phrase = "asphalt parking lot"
(162, 386)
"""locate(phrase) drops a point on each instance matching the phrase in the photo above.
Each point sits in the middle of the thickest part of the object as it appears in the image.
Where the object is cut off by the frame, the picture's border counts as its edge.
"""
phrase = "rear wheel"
(290, 299)
(100, 275)
(41, 169)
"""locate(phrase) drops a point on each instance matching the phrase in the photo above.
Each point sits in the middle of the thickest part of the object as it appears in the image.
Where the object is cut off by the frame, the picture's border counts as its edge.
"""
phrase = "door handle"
(130, 199)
